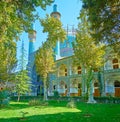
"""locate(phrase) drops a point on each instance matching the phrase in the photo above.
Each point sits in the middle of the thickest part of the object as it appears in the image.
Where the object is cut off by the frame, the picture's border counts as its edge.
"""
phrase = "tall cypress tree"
(22, 80)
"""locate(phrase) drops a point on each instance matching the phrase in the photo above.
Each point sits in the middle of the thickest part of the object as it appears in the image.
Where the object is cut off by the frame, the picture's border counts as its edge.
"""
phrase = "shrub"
(71, 104)
(23, 114)
(56, 94)
(107, 99)
(37, 102)
(34, 102)
(4, 99)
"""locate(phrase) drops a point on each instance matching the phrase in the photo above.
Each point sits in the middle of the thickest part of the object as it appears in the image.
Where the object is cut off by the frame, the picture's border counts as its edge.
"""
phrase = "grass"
(58, 112)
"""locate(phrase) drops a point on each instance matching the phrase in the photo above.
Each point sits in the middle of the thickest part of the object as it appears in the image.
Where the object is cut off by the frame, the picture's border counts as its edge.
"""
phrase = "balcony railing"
(112, 70)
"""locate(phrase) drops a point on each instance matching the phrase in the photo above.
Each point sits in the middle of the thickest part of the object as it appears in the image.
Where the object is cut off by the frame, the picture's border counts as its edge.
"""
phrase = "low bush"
(4, 99)
(25, 97)
(107, 99)
(56, 94)
(37, 102)
(71, 104)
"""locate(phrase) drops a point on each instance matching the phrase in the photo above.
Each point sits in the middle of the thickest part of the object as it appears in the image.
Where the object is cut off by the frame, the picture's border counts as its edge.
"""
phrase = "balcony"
(69, 76)
(112, 70)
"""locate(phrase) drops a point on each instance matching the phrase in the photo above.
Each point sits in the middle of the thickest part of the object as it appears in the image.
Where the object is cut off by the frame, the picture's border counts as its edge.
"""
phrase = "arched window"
(65, 72)
(96, 84)
(54, 87)
(95, 70)
(79, 85)
(117, 84)
(62, 84)
(65, 86)
(115, 60)
(79, 70)
(115, 63)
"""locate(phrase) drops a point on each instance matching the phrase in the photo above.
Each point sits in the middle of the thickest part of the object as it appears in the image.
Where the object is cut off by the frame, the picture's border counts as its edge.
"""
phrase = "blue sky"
(69, 10)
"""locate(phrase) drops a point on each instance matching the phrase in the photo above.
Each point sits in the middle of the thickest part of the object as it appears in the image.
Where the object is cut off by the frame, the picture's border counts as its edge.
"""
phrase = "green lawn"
(58, 112)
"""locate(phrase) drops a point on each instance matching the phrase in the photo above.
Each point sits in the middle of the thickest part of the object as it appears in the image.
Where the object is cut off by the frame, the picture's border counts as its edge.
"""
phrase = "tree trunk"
(90, 93)
(18, 97)
(101, 81)
(45, 89)
(83, 82)
(90, 86)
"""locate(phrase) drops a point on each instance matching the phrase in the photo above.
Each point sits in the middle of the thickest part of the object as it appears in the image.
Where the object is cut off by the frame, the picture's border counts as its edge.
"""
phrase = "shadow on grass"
(16, 106)
(62, 117)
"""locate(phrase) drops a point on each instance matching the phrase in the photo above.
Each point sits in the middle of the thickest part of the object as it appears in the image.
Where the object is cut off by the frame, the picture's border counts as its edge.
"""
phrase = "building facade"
(69, 82)
(68, 79)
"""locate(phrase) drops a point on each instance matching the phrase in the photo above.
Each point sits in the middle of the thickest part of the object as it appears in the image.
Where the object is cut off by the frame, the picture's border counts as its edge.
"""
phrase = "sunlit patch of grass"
(14, 110)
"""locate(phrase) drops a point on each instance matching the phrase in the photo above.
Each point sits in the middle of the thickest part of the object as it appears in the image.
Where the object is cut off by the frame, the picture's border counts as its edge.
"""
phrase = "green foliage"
(23, 114)
(37, 102)
(7, 66)
(44, 60)
(53, 27)
(7, 60)
(22, 83)
(104, 18)
(21, 12)
(56, 94)
(108, 99)
(34, 102)
(45, 64)
(71, 104)
(25, 97)
(4, 100)
(22, 80)
(87, 53)
(22, 60)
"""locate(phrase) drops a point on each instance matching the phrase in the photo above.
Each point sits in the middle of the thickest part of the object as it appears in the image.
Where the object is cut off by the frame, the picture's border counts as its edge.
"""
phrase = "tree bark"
(90, 93)
(83, 81)
(18, 97)
(45, 89)
(90, 86)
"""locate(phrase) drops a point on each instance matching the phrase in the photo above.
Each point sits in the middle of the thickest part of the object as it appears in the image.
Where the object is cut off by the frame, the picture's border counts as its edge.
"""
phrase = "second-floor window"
(79, 70)
(115, 63)
(95, 70)
(65, 72)
(117, 84)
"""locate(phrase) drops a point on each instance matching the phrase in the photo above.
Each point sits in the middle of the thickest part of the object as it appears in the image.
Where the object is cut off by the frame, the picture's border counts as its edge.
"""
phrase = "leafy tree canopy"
(7, 59)
(22, 80)
(104, 16)
(44, 60)
(17, 16)
(87, 53)
(53, 27)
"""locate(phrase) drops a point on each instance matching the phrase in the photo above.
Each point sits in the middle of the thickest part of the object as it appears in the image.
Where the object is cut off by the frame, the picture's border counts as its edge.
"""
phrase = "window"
(95, 70)
(65, 72)
(54, 87)
(117, 84)
(38, 78)
(115, 63)
(95, 84)
(115, 60)
(79, 70)
(79, 85)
